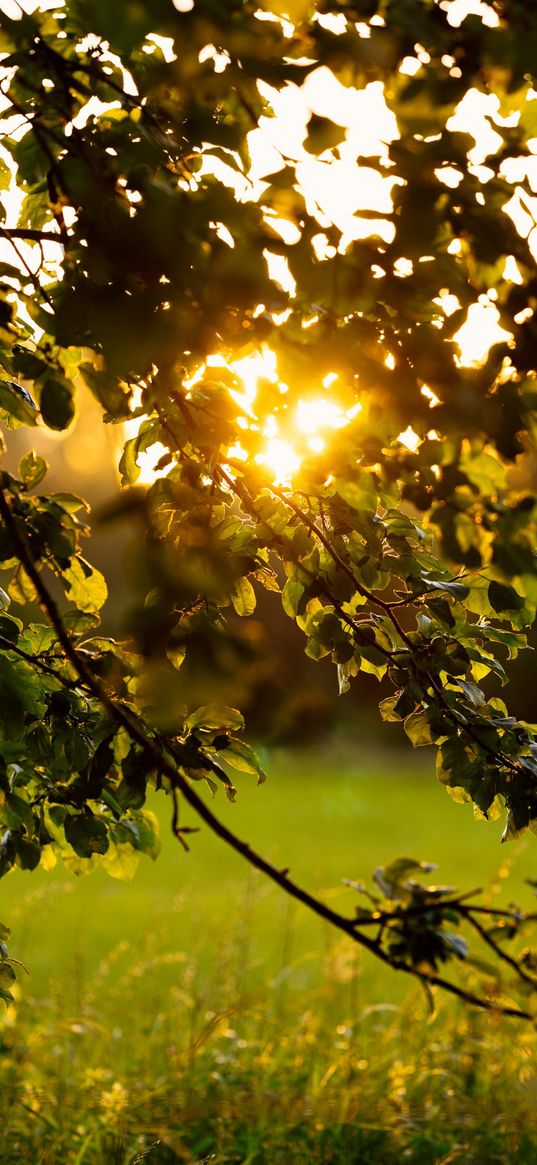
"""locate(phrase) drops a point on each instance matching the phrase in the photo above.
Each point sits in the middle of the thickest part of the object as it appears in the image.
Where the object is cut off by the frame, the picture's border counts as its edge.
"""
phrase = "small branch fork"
(159, 757)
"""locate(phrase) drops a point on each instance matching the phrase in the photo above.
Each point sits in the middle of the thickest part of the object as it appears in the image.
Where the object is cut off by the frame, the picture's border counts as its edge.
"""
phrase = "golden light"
(336, 188)
(431, 396)
(313, 415)
(409, 439)
(148, 459)
(447, 301)
(511, 271)
(480, 331)
(237, 453)
(281, 459)
(306, 432)
(250, 370)
(458, 10)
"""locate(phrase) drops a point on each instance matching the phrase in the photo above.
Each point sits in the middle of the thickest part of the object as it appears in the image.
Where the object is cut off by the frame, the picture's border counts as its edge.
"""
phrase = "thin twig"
(36, 661)
(500, 954)
(31, 274)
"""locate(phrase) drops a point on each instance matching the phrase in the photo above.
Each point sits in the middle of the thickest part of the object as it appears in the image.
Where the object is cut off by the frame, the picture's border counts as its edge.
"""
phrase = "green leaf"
(7, 975)
(418, 729)
(37, 638)
(360, 493)
(441, 609)
(32, 469)
(242, 757)
(85, 586)
(31, 158)
(215, 716)
(21, 696)
(121, 861)
(57, 404)
(141, 830)
(16, 812)
(392, 879)
(17, 402)
(86, 834)
(504, 598)
(78, 623)
(5, 175)
(10, 628)
(128, 466)
(28, 854)
(458, 590)
(291, 597)
(243, 597)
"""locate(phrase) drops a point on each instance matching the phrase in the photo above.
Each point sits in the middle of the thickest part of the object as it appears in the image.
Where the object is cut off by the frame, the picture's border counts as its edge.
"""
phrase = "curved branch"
(179, 782)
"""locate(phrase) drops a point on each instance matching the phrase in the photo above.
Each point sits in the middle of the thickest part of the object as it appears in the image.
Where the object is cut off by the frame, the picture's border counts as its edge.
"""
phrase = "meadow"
(194, 1014)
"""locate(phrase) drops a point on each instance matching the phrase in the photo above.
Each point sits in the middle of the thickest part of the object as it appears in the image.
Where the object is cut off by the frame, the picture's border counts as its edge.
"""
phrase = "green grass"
(195, 1012)
(327, 815)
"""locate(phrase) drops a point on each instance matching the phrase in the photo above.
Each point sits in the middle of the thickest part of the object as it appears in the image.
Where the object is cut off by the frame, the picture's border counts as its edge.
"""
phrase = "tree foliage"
(143, 261)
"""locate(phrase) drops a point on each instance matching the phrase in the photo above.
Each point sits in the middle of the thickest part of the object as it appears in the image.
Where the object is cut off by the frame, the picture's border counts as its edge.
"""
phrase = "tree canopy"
(263, 231)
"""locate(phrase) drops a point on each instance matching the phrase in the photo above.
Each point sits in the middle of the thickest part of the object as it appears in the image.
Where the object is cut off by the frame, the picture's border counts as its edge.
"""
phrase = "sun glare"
(409, 439)
(340, 187)
(251, 370)
(336, 189)
(307, 431)
(313, 415)
(281, 459)
(481, 330)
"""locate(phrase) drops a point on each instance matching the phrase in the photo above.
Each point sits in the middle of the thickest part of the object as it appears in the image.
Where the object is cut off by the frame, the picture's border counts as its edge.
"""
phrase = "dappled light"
(336, 187)
(480, 331)
(268, 397)
(281, 460)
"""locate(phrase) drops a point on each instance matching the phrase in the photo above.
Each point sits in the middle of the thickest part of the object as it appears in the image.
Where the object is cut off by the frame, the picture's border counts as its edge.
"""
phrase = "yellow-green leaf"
(243, 597)
(418, 729)
(85, 586)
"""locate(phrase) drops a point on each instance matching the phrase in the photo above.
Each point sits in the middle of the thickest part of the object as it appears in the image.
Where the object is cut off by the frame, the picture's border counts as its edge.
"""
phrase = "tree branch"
(462, 725)
(160, 759)
(31, 236)
(36, 661)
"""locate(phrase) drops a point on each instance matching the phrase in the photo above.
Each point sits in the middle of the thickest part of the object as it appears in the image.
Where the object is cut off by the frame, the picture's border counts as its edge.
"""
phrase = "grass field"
(195, 1014)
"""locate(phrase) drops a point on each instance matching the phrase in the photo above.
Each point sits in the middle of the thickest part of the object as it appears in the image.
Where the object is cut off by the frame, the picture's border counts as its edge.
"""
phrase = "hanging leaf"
(84, 586)
(32, 469)
(57, 404)
(17, 403)
(243, 597)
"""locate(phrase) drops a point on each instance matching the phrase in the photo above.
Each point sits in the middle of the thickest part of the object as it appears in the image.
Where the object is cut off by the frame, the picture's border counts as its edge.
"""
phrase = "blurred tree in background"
(289, 251)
